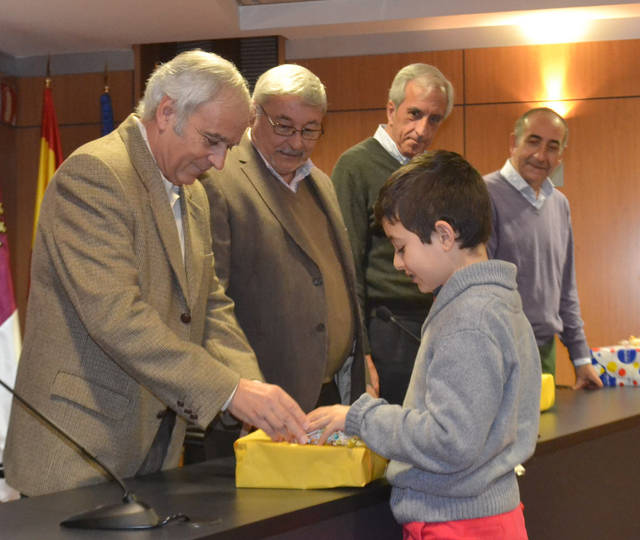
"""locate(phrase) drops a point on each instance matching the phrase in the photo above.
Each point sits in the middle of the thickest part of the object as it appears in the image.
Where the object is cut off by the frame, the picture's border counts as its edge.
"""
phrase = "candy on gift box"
(337, 438)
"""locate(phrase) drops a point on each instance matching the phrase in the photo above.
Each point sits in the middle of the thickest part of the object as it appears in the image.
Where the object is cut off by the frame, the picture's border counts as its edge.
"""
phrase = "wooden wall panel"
(76, 97)
(8, 189)
(77, 103)
(546, 72)
(601, 182)
(487, 129)
(344, 129)
(28, 147)
(362, 82)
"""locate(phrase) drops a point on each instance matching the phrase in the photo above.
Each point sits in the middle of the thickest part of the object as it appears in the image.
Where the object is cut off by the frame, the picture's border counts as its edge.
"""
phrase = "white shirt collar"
(301, 172)
(389, 144)
(515, 179)
(173, 191)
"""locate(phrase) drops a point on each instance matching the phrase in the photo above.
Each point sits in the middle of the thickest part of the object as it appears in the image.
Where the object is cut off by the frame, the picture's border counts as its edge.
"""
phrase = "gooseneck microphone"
(129, 514)
(384, 314)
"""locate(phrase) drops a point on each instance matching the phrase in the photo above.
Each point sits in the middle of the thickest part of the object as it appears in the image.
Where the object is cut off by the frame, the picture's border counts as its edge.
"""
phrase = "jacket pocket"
(90, 395)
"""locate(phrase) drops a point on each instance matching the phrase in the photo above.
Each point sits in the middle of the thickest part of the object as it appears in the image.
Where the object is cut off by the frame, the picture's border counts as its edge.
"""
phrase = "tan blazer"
(266, 268)
(118, 326)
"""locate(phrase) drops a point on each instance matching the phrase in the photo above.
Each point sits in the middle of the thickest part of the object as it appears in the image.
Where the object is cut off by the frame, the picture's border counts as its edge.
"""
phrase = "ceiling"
(312, 27)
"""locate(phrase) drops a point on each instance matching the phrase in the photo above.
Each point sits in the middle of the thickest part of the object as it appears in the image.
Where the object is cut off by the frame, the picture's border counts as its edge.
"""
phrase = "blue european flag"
(106, 113)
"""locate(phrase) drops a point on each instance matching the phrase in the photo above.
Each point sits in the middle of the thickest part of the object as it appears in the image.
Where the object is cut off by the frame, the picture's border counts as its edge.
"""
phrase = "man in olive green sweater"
(420, 98)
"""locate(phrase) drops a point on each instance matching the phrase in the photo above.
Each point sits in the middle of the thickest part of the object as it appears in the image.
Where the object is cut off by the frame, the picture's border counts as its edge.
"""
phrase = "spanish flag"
(50, 150)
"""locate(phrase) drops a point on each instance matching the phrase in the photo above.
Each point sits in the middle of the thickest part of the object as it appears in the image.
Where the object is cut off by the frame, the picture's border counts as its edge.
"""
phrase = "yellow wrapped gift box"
(262, 463)
(548, 393)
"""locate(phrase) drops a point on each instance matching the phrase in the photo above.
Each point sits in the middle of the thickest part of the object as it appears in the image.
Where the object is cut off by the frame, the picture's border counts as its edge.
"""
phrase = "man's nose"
(296, 141)
(540, 154)
(217, 157)
(422, 126)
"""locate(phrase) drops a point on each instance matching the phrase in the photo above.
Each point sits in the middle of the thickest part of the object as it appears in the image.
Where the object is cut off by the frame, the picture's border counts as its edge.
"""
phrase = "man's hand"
(271, 409)
(373, 389)
(587, 377)
(331, 419)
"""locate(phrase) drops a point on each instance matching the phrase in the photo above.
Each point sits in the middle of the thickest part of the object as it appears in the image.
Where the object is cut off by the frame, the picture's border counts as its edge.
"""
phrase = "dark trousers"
(394, 353)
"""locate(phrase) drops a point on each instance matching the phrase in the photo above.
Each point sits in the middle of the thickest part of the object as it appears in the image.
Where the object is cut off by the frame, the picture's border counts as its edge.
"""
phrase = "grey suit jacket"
(266, 268)
(119, 327)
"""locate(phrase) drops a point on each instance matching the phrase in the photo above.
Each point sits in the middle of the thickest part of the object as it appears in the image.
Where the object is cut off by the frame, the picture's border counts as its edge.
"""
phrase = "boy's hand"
(331, 419)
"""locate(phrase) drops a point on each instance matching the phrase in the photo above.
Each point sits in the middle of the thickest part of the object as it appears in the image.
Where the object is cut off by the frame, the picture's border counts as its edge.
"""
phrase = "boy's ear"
(445, 234)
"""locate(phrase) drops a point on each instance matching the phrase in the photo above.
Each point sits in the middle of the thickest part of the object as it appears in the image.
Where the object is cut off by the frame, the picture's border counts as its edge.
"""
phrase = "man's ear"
(253, 114)
(445, 234)
(391, 109)
(512, 143)
(165, 112)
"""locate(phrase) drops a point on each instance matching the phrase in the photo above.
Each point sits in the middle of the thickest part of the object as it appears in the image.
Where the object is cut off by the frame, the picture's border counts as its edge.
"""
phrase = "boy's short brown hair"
(435, 186)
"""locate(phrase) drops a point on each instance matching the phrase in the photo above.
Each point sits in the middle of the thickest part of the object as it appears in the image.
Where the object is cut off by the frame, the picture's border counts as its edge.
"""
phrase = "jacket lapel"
(192, 215)
(150, 176)
(253, 167)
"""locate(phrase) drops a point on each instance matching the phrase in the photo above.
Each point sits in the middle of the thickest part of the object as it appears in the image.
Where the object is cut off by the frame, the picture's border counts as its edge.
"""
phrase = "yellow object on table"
(262, 463)
(548, 392)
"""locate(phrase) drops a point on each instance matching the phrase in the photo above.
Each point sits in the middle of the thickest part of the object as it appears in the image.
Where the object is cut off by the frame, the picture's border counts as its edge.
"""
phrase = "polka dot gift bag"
(618, 365)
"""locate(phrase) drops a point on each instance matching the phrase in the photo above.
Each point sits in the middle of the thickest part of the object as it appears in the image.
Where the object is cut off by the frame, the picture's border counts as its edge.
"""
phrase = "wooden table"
(581, 483)
(207, 493)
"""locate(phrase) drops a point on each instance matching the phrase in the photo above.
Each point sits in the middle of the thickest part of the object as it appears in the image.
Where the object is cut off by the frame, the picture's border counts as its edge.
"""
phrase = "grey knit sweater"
(471, 412)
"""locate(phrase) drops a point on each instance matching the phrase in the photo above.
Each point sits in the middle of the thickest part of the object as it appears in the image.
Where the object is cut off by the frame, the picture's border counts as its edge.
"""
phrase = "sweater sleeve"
(445, 430)
(352, 196)
(572, 335)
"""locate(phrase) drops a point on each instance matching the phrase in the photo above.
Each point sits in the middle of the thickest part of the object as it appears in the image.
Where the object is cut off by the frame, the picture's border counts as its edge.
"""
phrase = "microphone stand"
(384, 314)
(129, 514)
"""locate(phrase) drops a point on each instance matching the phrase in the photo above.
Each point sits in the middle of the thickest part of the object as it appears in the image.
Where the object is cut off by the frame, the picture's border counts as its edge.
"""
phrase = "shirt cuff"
(228, 402)
(582, 361)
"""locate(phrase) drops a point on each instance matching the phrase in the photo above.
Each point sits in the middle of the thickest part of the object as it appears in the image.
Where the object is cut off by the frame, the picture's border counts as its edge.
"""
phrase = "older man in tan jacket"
(129, 335)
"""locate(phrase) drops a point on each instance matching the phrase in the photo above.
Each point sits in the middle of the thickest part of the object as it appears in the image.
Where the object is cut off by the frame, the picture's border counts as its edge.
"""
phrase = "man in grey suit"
(281, 248)
(129, 335)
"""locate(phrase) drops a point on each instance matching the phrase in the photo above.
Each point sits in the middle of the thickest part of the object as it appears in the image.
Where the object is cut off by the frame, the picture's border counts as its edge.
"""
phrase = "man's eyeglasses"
(288, 131)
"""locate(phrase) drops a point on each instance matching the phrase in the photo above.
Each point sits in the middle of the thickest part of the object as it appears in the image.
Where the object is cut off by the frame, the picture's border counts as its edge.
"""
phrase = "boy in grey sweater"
(471, 411)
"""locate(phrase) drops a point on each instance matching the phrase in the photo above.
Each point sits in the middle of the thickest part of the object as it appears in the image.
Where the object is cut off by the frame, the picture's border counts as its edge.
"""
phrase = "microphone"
(129, 514)
(384, 314)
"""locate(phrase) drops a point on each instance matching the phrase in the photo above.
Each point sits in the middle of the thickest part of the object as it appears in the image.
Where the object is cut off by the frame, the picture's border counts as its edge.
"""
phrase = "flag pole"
(50, 146)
